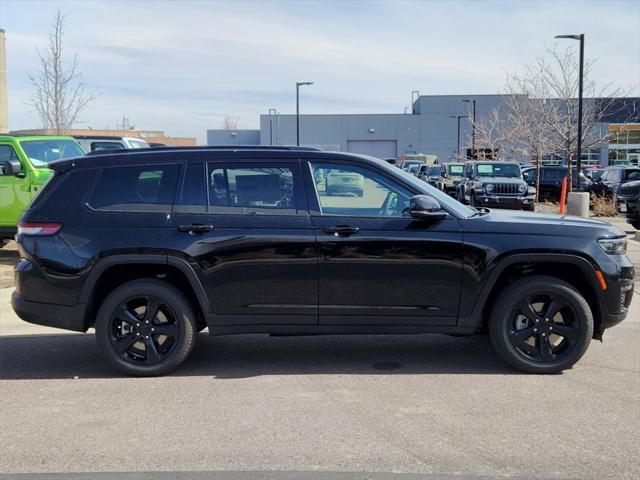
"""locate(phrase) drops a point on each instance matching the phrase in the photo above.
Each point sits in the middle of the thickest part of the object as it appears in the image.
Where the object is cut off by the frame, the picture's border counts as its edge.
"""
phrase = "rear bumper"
(497, 201)
(50, 315)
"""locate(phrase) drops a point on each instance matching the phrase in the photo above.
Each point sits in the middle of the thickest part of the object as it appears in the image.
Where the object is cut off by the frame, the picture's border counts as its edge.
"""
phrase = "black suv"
(149, 247)
(551, 177)
(629, 202)
(496, 184)
(613, 178)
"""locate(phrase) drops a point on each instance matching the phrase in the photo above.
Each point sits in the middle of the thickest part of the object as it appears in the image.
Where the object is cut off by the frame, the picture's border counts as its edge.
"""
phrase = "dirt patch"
(8, 259)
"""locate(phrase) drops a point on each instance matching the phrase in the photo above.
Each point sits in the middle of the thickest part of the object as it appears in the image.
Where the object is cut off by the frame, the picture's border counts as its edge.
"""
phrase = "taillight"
(41, 229)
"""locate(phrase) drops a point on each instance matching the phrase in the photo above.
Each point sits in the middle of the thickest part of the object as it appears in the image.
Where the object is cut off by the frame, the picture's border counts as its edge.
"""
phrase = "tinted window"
(95, 146)
(551, 174)
(632, 175)
(529, 175)
(251, 188)
(146, 188)
(356, 191)
(6, 153)
(193, 197)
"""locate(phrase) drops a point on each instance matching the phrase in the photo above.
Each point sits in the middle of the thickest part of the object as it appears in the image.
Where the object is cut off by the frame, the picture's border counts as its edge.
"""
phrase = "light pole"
(473, 127)
(580, 38)
(272, 111)
(298, 85)
(458, 145)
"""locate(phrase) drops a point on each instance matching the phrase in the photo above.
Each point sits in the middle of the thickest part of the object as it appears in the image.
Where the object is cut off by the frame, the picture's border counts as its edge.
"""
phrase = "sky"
(181, 66)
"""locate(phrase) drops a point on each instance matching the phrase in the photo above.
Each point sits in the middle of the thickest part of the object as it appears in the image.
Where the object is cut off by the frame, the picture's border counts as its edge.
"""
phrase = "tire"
(125, 310)
(530, 208)
(540, 347)
(635, 224)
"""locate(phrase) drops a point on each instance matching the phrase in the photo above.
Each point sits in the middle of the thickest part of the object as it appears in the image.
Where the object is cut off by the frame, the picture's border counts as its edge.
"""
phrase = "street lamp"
(272, 111)
(298, 85)
(580, 38)
(458, 117)
(473, 127)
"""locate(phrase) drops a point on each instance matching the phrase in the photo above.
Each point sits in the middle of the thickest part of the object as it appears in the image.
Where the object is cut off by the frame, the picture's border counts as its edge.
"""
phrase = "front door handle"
(341, 230)
(195, 228)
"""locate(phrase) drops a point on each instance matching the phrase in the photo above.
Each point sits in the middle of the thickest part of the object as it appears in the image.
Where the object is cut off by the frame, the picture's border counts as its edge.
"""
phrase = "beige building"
(149, 136)
(4, 107)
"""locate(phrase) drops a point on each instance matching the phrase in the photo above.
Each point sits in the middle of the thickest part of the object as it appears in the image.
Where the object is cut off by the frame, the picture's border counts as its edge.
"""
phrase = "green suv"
(23, 172)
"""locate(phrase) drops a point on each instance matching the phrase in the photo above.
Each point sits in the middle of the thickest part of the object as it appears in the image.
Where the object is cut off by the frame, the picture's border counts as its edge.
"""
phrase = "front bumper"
(619, 275)
(50, 315)
(629, 206)
(498, 201)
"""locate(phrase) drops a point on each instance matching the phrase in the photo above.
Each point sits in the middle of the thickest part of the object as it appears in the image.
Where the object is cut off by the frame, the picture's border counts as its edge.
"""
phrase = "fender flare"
(585, 266)
(104, 264)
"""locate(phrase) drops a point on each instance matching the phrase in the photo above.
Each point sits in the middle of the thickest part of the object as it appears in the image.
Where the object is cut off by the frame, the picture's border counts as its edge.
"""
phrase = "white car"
(338, 181)
(91, 143)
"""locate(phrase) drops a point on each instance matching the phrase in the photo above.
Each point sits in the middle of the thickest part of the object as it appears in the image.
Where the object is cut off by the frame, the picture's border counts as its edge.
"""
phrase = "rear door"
(244, 226)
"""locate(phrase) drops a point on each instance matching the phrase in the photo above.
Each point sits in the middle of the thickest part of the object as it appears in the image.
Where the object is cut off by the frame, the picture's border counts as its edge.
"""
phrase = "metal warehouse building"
(431, 128)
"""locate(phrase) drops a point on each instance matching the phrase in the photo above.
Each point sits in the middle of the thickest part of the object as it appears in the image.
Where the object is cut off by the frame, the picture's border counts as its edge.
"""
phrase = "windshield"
(43, 152)
(434, 170)
(456, 169)
(498, 170)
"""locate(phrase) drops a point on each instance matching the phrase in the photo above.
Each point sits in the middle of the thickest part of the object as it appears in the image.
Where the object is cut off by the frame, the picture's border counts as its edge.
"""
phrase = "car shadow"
(245, 356)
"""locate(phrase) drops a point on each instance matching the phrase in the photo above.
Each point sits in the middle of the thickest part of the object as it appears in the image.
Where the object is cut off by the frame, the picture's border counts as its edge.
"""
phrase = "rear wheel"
(541, 324)
(146, 328)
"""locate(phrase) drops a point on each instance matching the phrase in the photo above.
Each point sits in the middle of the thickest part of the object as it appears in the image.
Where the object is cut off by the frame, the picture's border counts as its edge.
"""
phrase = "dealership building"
(430, 128)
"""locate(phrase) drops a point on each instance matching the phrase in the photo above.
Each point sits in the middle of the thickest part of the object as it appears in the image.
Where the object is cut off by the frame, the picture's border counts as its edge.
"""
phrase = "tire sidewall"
(174, 299)
(501, 317)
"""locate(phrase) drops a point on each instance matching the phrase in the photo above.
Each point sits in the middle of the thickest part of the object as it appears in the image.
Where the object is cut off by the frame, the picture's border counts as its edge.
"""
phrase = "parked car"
(496, 184)
(551, 177)
(450, 178)
(341, 182)
(414, 169)
(407, 164)
(92, 143)
(423, 171)
(613, 178)
(24, 170)
(431, 173)
(629, 202)
(594, 174)
(251, 247)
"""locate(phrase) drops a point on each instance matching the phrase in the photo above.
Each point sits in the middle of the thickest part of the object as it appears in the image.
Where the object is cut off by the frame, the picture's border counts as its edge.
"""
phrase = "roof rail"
(204, 147)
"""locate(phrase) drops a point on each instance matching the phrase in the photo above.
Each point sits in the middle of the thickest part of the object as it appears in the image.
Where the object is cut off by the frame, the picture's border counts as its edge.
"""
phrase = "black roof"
(138, 156)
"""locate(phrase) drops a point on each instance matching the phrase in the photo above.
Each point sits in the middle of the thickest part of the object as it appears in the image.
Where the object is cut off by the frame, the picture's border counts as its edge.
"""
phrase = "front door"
(15, 192)
(245, 228)
(377, 265)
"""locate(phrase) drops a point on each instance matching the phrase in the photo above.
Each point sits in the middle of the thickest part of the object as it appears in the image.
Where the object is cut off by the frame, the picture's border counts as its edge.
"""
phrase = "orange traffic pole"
(563, 196)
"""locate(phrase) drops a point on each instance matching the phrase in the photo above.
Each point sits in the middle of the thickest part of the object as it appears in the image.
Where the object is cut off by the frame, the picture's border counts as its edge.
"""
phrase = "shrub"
(604, 206)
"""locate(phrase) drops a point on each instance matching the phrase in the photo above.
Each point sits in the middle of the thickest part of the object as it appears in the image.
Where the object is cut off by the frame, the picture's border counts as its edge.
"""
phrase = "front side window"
(529, 175)
(355, 191)
(146, 188)
(266, 189)
(6, 154)
(43, 152)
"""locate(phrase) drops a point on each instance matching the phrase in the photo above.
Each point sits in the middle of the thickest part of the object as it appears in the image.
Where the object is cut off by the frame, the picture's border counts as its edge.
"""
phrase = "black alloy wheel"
(146, 327)
(543, 327)
(541, 324)
(144, 330)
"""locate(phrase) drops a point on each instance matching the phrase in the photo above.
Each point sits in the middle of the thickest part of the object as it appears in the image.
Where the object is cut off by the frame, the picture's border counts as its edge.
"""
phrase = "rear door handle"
(195, 228)
(341, 230)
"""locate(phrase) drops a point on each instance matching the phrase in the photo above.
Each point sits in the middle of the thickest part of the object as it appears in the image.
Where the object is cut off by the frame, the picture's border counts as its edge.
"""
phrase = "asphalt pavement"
(376, 407)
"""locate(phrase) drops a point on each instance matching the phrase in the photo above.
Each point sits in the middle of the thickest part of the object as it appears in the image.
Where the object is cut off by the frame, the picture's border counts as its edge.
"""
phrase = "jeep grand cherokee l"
(150, 247)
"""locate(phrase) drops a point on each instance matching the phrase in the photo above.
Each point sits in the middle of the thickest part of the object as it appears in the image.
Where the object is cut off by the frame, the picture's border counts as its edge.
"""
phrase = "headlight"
(613, 246)
(522, 187)
(489, 187)
(531, 190)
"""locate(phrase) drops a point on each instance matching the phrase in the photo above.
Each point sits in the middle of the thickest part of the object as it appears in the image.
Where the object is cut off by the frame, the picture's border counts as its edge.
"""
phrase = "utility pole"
(473, 128)
(298, 85)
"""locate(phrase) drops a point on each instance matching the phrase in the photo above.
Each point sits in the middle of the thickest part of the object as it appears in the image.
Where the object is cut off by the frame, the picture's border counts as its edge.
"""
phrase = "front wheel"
(541, 324)
(146, 328)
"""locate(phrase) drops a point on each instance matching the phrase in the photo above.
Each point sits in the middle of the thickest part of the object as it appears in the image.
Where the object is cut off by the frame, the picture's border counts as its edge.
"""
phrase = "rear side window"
(251, 189)
(145, 188)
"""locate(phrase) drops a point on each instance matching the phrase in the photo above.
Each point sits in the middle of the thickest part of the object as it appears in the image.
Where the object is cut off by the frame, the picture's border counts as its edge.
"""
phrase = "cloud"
(180, 66)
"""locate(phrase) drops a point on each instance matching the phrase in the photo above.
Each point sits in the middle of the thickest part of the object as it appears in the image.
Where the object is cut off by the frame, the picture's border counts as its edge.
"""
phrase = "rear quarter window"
(144, 188)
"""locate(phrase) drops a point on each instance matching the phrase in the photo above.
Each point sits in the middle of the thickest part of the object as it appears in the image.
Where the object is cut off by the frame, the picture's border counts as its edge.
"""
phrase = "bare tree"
(59, 93)
(230, 122)
(540, 113)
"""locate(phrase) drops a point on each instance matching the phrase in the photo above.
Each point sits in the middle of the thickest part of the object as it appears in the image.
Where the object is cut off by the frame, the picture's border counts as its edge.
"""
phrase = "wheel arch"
(111, 272)
(576, 270)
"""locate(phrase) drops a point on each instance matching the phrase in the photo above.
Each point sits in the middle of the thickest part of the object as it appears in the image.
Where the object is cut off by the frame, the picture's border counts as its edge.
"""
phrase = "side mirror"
(12, 167)
(424, 207)
(443, 173)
